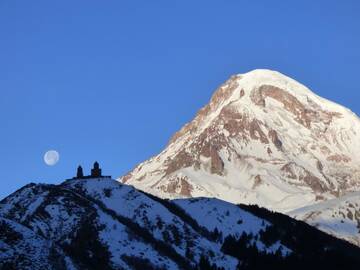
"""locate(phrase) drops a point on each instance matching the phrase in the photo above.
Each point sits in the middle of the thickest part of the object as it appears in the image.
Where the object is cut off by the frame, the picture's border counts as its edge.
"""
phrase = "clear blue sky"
(113, 80)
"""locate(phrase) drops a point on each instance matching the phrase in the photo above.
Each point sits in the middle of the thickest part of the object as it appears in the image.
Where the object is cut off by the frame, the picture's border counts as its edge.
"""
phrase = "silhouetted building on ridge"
(95, 172)
(80, 172)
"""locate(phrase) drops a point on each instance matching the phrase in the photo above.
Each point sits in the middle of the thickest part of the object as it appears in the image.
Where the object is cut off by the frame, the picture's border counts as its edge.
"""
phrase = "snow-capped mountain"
(99, 223)
(263, 139)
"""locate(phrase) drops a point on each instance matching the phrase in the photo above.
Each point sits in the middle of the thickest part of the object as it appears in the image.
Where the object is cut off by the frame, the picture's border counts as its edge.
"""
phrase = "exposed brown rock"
(275, 139)
(186, 188)
(319, 198)
(339, 158)
(325, 150)
(171, 186)
(313, 182)
(178, 185)
(293, 171)
(207, 144)
(319, 166)
(257, 181)
(287, 168)
(217, 164)
(303, 115)
(256, 132)
(242, 93)
(181, 160)
(349, 215)
(238, 124)
(235, 123)
(220, 95)
(127, 177)
(291, 103)
(257, 98)
(232, 126)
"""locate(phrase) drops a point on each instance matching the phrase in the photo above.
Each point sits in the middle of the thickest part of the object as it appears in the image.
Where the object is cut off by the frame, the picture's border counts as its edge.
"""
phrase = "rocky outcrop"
(220, 95)
(303, 114)
(303, 177)
(178, 185)
(339, 158)
(182, 160)
(275, 139)
(289, 101)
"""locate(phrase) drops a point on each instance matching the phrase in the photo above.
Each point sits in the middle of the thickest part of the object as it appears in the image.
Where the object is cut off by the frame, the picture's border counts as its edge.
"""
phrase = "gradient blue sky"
(113, 80)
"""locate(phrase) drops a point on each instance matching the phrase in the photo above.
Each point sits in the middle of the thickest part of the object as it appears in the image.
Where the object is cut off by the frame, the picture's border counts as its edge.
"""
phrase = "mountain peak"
(259, 91)
(260, 77)
(263, 138)
(261, 74)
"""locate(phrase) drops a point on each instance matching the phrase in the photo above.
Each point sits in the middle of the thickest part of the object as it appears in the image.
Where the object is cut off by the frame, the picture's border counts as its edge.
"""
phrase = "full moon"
(51, 157)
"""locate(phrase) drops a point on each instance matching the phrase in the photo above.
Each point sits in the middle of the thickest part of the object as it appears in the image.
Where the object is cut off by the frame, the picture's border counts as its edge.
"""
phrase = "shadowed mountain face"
(102, 224)
(263, 139)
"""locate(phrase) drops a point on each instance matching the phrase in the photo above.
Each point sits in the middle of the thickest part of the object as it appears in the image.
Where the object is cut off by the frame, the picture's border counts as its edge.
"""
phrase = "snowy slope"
(339, 217)
(70, 219)
(125, 226)
(21, 248)
(214, 214)
(100, 223)
(150, 214)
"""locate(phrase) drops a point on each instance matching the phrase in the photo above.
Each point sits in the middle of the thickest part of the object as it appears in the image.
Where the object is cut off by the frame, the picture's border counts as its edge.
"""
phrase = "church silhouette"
(95, 173)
